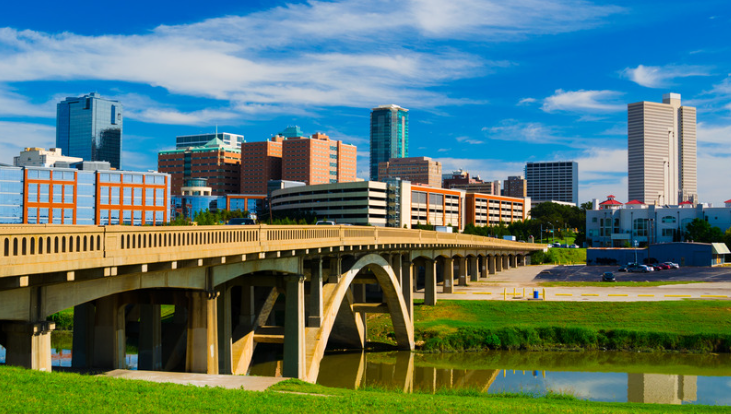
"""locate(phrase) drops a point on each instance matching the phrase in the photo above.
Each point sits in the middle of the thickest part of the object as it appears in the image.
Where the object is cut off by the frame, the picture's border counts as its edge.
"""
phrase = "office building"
(661, 151)
(462, 180)
(515, 186)
(553, 180)
(318, 160)
(261, 162)
(231, 140)
(389, 135)
(90, 127)
(417, 170)
(39, 195)
(196, 198)
(38, 157)
(491, 210)
(215, 161)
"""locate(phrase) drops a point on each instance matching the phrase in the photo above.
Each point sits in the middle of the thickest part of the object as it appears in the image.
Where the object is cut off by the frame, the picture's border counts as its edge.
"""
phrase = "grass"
(31, 391)
(696, 326)
(557, 255)
(614, 284)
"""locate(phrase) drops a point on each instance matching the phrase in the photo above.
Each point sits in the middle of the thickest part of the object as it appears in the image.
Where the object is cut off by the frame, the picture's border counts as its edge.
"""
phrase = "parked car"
(655, 267)
(573, 246)
(608, 277)
(672, 265)
(639, 268)
(622, 269)
(663, 266)
(241, 221)
(325, 223)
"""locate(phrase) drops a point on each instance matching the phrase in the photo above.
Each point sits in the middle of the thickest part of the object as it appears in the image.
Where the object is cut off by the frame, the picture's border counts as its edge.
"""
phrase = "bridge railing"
(51, 248)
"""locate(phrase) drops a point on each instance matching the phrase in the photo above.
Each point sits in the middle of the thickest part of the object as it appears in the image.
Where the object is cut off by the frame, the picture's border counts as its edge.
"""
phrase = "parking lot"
(593, 273)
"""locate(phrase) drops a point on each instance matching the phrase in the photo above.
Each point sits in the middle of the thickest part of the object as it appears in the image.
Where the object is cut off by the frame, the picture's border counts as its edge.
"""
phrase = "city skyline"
(489, 87)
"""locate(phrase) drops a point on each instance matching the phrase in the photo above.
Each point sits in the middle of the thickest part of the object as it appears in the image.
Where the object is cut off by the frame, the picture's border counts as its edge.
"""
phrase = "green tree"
(701, 231)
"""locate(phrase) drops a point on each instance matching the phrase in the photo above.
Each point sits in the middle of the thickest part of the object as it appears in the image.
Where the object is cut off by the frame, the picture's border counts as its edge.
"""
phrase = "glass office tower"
(90, 127)
(389, 135)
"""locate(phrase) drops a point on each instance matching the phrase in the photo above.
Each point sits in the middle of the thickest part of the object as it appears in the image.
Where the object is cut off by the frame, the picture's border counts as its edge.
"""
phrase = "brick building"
(215, 161)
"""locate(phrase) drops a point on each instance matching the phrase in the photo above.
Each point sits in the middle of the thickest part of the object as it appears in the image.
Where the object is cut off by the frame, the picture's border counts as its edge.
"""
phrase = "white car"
(672, 265)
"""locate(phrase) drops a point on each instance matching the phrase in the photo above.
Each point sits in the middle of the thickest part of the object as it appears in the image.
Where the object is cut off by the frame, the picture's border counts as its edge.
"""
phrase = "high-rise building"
(215, 161)
(417, 170)
(553, 181)
(389, 135)
(261, 162)
(185, 141)
(318, 160)
(90, 127)
(515, 186)
(661, 151)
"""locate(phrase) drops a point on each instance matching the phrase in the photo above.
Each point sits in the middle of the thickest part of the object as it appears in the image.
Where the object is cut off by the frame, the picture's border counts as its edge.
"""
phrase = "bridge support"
(506, 262)
(483, 267)
(474, 269)
(448, 272)
(407, 279)
(430, 282)
(499, 264)
(513, 261)
(28, 344)
(83, 340)
(491, 267)
(294, 328)
(315, 318)
(150, 342)
(463, 271)
(202, 347)
(109, 334)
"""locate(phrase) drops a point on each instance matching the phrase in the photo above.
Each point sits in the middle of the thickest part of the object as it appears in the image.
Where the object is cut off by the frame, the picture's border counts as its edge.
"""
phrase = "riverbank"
(32, 391)
(686, 326)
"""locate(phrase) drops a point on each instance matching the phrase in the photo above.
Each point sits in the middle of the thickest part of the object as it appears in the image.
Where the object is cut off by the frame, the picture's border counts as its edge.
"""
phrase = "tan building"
(661, 151)
(38, 157)
(318, 160)
(418, 170)
(260, 162)
(490, 210)
(484, 188)
(515, 186)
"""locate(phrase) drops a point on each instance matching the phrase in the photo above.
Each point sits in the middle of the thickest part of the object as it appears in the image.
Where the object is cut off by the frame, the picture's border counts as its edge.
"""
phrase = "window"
(640, 227)
(68, 194)
(668, 219)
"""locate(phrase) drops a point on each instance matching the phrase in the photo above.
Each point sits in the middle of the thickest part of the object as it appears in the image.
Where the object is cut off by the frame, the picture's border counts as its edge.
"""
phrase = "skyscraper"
(90, 127)
(661, 151)
(389, 135)
(553, 181)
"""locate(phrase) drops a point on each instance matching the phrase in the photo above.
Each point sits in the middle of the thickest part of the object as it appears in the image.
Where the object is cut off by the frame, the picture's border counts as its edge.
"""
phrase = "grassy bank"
(695, 326)
(557, 255)
(30, 391)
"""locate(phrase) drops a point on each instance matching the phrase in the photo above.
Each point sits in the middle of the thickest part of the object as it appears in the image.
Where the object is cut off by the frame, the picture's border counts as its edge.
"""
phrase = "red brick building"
(260, 162)
(217, 162)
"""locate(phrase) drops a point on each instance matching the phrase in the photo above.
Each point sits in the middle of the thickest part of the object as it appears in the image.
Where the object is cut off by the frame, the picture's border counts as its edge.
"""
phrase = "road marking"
(589, 294)
(646, 296)
(564, 294)
(482, 293)
(617, 294)
(459, 293)
(714, 296)
(677, 296)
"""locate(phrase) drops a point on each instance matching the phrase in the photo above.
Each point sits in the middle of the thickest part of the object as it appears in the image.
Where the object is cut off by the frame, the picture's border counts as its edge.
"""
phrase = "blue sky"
(490, 85)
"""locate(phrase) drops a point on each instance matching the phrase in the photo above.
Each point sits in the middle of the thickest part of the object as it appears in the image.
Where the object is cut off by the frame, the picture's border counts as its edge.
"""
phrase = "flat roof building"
(553, 180)
(515, 186)
(261, 162)
(661, 151)
(318, 160)
(39, 157)
(491, 210)
(417, 170)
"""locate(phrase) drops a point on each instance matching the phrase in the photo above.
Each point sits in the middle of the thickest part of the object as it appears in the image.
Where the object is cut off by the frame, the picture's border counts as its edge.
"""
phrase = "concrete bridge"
(225, 284)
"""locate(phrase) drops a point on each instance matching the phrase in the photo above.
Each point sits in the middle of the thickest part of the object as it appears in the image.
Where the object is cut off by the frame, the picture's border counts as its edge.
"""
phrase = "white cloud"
(526, 101)
(14, 136)
(14, 104)
(662, 76)
(513, 130)
(713, 134)
(583, 101)
(487, 169)
(469, 140)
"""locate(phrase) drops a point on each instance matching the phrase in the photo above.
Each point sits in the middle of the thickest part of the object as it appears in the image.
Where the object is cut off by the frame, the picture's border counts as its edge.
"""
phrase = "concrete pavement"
(200, 380)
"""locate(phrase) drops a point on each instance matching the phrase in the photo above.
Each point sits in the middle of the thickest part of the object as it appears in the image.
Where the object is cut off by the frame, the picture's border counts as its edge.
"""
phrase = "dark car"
(608, 277)
(241, 222)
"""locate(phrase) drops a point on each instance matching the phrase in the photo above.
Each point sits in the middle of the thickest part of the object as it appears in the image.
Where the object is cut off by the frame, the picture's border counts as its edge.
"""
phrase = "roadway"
(715, 284)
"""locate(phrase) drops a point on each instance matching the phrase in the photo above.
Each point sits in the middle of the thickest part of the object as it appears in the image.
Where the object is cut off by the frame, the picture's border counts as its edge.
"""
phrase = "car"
(672, 265)
(608, 277)
(639, 268)
(573, 246)
(241, 222)
(325, 223)
(655, 267)
(622, 269)
(662, 266)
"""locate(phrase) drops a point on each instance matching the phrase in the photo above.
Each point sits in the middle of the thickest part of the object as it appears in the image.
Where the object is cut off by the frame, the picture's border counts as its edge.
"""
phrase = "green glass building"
(389, 135)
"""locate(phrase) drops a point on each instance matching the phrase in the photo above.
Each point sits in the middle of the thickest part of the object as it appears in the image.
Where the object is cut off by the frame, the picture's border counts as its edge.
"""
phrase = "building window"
(640, 227)
(669, 220)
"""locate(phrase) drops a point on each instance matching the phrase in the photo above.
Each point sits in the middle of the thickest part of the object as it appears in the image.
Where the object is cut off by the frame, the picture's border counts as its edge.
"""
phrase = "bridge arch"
(335, 294)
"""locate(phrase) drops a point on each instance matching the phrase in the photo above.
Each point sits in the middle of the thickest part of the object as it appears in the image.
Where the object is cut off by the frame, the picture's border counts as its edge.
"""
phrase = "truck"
(511, 238)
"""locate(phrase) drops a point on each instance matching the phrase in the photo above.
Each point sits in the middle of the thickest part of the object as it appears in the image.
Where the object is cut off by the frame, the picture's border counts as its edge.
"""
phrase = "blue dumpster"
(536, 294)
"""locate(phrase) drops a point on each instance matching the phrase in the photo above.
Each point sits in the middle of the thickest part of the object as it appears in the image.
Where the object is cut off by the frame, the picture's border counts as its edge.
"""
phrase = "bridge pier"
(491, 267)
(506, 262)
(483, 267)
(448, 272)
(514, 261)
(201, 354)
(150, 339)
(315, 317)
(407, 278)
(462, 266)
(294, 328)
(430, 282)
(109, 334)
(28, 344)
(474, 269)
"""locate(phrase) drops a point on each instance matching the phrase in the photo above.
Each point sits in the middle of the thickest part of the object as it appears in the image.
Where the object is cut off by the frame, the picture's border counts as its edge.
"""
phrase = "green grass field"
(697, 326)
(31, 391)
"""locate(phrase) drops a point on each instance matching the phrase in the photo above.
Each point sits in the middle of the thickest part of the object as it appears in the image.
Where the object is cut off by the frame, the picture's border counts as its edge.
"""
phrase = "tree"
(701, 231)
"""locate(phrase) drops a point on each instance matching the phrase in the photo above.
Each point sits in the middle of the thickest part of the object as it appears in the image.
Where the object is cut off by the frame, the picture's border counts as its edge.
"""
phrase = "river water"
(662, 378)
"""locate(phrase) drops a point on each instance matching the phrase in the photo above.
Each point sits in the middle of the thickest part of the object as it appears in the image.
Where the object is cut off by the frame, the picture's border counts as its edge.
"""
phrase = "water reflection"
(595, 376)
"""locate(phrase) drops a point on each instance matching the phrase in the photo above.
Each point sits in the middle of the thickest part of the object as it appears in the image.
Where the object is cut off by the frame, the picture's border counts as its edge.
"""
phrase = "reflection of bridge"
(224, 283)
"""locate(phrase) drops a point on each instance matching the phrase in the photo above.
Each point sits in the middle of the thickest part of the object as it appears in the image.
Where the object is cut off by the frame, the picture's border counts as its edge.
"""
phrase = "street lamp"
(636, 244)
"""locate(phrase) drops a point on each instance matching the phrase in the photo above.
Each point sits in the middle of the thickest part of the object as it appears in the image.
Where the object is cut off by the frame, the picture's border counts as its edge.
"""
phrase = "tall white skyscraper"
(661, 151)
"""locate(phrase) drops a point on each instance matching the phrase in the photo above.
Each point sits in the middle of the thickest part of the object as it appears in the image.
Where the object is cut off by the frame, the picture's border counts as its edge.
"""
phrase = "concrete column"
(483, 267)
(395, 263)
(526, 260)
(491, 264)
(247, 315)
(448, 270)
(463, 271)
(201, 355)
(294, 327)
(110, 337)
(498, 264)
(28, 344)
(506, 262)
(430, 282)
(83, 340)
(315, 318)
(335, 269)
(225, 330)
(150, 343)
(513, 261)
(474, 269)
(407, 276)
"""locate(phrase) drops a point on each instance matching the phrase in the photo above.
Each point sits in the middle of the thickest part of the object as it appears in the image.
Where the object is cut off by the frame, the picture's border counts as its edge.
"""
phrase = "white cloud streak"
(662, 76)
(583, 101)
(14, 136)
